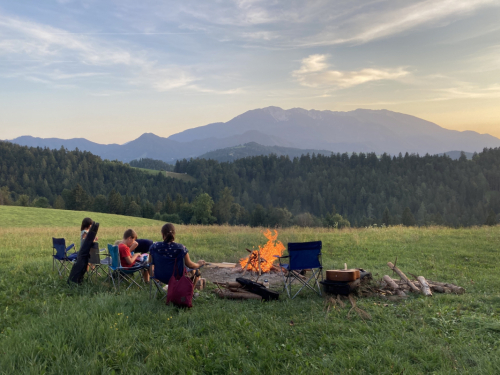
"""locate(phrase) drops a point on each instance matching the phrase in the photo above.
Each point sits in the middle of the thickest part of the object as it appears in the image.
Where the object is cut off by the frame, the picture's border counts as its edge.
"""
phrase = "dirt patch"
(230, 274)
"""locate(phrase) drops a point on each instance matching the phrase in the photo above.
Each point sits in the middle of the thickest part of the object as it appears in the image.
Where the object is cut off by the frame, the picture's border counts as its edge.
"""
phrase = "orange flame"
(267, 253)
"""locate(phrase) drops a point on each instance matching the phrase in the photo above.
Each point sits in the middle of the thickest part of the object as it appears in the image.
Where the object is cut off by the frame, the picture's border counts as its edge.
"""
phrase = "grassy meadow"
(48, 327)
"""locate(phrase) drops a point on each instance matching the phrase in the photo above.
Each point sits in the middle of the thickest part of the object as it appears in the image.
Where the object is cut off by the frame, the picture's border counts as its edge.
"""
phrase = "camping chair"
(97, 266)
(302, 256)
(117, 273)
(60, 254)
(161, 270)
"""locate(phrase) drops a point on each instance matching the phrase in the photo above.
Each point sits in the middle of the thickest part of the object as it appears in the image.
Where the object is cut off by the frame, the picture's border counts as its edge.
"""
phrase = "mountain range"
(361, 130)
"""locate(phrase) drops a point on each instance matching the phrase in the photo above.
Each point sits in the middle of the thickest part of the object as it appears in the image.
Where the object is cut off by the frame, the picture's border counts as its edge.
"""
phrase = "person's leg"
(145, 276)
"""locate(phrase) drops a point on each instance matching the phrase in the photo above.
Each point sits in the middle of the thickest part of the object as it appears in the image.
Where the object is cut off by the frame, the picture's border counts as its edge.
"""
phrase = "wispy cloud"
(315, 72)
(366, 27)
(46, 44)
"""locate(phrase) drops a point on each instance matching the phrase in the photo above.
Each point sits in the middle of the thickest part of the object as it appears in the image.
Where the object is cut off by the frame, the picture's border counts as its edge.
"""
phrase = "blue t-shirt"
(172, 249)
(143, 246)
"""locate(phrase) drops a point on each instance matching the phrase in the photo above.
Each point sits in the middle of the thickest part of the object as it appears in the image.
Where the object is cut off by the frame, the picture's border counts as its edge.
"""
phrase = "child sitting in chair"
(126, 257)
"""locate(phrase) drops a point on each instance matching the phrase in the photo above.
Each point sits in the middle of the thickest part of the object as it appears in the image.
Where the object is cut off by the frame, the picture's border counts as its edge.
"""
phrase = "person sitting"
(175, 249)
(126, 258)
(141, 245)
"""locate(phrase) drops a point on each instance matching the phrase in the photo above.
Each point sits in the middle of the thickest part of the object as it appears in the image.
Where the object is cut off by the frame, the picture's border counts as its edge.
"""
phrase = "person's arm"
(131, 259)
(134, 246)
(190, 264)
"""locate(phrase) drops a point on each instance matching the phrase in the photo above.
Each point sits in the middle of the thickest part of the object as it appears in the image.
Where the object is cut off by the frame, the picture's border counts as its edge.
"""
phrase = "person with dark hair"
(126, 258)
(175, 249)
(86, 224)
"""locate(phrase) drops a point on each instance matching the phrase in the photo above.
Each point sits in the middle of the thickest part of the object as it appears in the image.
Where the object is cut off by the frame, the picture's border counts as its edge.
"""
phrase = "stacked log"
(420, 285)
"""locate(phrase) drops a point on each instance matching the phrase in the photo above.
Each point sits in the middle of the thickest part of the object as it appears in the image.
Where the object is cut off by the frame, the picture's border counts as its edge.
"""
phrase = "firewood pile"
(400, 288)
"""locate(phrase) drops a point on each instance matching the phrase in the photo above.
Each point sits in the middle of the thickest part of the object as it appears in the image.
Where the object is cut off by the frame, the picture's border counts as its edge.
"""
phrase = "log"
(426, 290)
(454, 288)
(238, 295)
(390, 282)
(403, 276)
(233, 284)
(220, 265)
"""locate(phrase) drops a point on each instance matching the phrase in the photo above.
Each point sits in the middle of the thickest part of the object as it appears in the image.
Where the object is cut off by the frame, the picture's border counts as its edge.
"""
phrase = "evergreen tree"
(202, 209)
(100, 204)
(133, 210)
(59, 203)
(386, 217)
(491, 219)
(258, 216)
(115, 203)
(79, 198)
(41, 202)
(407, 218)
(222, 208)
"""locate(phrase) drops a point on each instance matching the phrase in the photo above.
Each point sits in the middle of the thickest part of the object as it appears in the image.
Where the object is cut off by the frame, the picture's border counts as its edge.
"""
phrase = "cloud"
(314, 72)
(366, 27)
(46, 45)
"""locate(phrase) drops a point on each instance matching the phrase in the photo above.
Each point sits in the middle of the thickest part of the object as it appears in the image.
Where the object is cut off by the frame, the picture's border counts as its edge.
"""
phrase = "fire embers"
(266, 254)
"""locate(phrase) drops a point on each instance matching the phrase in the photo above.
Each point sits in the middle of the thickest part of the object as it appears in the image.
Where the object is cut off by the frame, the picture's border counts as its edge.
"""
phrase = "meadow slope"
(48, 327)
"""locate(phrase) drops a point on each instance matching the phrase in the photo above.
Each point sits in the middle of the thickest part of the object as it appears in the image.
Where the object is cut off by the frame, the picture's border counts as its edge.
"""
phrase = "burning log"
(403, 276)
(261, 260)
(426, 290)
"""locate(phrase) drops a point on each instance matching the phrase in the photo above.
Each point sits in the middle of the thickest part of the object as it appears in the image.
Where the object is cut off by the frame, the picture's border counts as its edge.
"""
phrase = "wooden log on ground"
(439, 289)
(233, 284)
(236, 295)
(390, 282)
(454, 288)
(426, 290)
(403, 276)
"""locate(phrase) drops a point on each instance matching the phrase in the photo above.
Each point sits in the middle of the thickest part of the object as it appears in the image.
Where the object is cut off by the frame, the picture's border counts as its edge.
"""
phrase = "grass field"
(48, 327)
(150, 171)
(181, 176)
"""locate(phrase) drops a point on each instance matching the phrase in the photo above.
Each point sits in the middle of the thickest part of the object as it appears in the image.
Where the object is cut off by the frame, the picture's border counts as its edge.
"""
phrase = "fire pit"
(261, 260)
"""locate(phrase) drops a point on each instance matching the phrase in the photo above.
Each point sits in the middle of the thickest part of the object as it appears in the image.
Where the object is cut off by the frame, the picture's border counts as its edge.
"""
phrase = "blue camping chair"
(117, 273)
(60, 254)
(161, 270)
(302, 256)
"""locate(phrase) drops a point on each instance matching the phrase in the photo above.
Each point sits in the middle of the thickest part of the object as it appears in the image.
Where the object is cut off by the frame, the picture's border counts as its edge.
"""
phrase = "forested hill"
(263, 190)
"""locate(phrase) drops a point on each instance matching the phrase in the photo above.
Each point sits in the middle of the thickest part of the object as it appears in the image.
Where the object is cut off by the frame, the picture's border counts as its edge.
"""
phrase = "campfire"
(262, 260)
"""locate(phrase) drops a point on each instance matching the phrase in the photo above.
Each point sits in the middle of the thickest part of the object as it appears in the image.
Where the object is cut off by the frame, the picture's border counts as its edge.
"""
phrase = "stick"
(390, 282)
(246, 265)
(395, 262)
(260, 269)
(403, 276)
(426, 290)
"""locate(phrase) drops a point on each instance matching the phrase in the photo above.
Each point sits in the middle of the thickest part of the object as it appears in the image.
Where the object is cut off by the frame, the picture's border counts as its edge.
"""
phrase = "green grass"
(150, 171)
(13, 216)
(47, 327)
(181, 176)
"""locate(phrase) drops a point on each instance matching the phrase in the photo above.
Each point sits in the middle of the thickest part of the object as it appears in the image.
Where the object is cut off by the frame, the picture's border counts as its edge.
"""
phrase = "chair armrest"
(70, 247)
(280, 257)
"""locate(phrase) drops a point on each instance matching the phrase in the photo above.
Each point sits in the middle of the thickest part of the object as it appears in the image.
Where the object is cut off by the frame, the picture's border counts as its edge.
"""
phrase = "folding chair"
(60, 254)
(116, 271)
(302, 256)
(97, 266)
(161, 270)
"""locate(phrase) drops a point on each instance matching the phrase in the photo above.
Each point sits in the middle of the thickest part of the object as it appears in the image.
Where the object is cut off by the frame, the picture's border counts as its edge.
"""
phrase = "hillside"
(32, 217)
(312, 190)
(254, 149)
(361, 130)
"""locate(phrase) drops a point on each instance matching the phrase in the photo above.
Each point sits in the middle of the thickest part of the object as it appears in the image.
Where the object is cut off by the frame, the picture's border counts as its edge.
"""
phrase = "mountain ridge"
(361, 130)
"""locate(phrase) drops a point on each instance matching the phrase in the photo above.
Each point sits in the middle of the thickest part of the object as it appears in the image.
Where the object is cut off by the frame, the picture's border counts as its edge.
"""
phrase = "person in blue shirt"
(175, 249)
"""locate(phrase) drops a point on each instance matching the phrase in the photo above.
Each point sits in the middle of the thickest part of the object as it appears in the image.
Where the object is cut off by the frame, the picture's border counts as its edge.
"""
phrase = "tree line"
(313, 190)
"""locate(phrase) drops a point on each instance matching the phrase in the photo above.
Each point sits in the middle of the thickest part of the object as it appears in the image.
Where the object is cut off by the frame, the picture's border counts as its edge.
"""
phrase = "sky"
(110, 71)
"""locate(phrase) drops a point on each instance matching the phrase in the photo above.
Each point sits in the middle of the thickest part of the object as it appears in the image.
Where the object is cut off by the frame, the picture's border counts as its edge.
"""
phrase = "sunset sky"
(112, 70)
